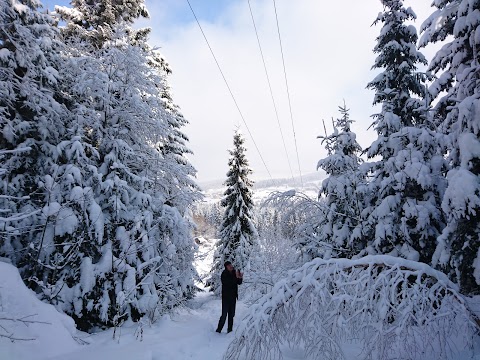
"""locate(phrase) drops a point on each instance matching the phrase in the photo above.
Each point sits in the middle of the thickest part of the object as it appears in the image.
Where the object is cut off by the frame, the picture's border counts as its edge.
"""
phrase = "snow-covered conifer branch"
(384, 305)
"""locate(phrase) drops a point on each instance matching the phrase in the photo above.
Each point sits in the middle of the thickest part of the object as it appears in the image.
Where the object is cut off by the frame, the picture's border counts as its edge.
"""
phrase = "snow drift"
(383, 306)
(29, 328)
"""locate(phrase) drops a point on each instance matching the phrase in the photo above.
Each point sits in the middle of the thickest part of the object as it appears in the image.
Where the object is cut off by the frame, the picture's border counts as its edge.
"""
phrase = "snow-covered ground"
(29, 328)
(188, 333)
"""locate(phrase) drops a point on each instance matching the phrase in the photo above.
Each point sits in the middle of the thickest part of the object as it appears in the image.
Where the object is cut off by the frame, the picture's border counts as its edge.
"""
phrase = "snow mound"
(29, 328)
(374, 307)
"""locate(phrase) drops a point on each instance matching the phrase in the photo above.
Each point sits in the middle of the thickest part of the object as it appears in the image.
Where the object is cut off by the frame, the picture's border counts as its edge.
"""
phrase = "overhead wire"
(270, 88)
(288, 91)
(230, 90)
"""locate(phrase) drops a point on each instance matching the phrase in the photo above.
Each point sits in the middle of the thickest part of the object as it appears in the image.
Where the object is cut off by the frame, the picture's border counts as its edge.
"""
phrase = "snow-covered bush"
(383, 305)
(300, 217)
(270, 262)
(274, 256)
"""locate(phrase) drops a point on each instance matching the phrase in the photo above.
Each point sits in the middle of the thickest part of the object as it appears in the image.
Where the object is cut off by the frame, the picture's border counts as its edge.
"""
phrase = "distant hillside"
(308, 179)
(262, 189)
(316, 177)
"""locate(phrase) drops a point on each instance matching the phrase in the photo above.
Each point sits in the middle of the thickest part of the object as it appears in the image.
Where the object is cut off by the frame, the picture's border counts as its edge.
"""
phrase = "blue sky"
(207, 10)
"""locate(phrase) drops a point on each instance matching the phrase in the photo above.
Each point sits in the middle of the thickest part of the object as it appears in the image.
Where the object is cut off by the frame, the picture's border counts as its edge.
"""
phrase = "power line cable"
(288, 91)
(270, 88)
(229, 89)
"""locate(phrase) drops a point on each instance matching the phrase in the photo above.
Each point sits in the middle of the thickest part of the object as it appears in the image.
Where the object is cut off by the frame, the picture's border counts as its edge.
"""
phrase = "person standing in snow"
(230, 281)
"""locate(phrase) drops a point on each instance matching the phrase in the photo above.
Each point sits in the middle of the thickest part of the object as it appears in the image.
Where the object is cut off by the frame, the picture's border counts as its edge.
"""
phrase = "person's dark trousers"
(228, 308)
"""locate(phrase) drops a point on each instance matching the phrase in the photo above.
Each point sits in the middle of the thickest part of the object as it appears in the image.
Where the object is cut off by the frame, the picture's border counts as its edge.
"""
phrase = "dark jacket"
(230, 284)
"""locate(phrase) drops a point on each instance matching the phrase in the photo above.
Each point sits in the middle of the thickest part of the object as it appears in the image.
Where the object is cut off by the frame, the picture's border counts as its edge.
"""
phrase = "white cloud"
(328, 52)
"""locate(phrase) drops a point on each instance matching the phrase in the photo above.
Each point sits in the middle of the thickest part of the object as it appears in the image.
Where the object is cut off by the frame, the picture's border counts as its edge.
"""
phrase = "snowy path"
(188, 334)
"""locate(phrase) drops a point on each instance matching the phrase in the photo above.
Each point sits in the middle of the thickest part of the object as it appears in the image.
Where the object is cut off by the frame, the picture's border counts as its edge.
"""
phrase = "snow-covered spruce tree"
(174, 177)
(183, 188)
(332, 235)
(140, 262)
(32, 119)
(238, 235)
(53, 181)
(458, 113)
(404, 216)
(276, 253)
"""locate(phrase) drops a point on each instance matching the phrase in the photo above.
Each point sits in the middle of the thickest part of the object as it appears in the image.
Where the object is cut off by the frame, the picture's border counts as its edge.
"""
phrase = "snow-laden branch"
(18, 217)
(381, 305)
(15, 151)
(14, 197)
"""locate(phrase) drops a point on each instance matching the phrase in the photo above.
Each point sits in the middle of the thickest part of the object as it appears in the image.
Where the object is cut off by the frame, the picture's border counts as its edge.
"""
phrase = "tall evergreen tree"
(184, 189)
(333, 235)
(33, 120)
(118, 244)
(238, 234)
(404, 216)
(457, 88)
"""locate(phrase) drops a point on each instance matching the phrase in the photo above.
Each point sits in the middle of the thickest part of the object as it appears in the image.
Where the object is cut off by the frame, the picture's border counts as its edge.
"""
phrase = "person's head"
(228, 266)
